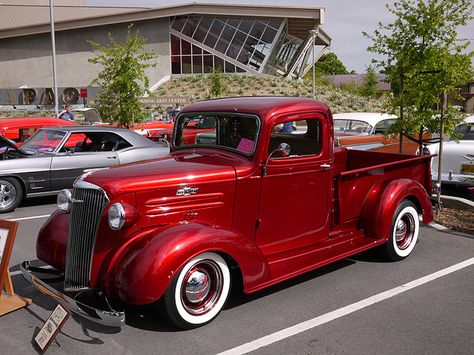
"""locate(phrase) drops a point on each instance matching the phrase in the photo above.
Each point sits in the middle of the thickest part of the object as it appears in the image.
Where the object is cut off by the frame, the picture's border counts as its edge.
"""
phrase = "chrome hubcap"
(198, 286)
(7, 194)
(405, 231)
(201, 287)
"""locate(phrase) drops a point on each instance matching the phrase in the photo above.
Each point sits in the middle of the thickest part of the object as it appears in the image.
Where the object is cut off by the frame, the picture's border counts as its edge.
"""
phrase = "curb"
(457, 203)
(438, 226)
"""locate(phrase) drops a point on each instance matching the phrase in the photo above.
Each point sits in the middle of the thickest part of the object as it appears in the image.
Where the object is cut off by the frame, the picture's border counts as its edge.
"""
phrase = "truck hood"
(176, 170)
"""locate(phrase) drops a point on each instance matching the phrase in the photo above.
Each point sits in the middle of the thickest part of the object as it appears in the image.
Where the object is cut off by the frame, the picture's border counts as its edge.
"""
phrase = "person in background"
(287, 128)
(67, 114)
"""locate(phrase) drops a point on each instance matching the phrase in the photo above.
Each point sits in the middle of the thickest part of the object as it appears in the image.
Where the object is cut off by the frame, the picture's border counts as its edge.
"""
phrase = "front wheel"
(198, 292)
(11, 194)
(405, 231)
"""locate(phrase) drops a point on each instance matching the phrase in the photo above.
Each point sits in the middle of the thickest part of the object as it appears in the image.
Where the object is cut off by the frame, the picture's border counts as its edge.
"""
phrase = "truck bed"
(356, 173)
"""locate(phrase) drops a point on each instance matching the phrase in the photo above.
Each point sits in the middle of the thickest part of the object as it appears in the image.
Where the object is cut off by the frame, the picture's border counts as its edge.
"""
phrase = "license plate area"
(467, 168)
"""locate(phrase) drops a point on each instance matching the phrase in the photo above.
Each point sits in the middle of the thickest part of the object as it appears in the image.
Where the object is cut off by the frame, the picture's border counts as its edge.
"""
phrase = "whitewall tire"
(405, 231)
(198, 292)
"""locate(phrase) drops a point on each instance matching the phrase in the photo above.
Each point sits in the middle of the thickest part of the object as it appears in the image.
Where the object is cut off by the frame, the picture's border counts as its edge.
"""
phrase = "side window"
(76, 142)
(383, 126)
(303, 137)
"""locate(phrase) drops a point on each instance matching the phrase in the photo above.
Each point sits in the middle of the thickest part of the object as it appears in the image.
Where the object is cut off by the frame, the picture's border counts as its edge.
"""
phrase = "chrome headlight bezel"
(116, 216)
(64, 201)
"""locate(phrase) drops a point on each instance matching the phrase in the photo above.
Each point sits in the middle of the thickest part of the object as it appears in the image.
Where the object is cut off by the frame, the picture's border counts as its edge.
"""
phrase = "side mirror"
(283, 149)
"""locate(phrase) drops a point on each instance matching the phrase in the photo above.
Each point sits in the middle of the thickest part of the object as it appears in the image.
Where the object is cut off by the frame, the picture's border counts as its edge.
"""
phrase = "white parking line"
(26, 218)
(341, 312)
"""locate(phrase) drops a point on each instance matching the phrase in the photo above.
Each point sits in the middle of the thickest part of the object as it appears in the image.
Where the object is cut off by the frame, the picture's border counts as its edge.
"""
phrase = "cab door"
(295, 189)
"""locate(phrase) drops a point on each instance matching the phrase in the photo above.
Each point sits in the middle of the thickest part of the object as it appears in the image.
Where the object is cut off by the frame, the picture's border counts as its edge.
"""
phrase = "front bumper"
(90, 304)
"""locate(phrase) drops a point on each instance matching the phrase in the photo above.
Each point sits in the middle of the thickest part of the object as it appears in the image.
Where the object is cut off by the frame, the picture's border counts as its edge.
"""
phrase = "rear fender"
(142, 272)
(382, 201)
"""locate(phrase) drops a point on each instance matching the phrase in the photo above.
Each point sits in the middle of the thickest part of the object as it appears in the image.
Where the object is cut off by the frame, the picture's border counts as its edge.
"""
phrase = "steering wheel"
(235, 139)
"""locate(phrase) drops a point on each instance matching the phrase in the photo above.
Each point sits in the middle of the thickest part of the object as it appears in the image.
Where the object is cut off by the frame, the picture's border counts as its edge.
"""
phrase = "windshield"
(465, 132)
(351, 127)
(231, 131)
(44, 140)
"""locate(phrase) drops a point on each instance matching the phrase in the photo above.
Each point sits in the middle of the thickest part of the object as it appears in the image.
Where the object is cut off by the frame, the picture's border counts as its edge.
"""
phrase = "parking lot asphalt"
(435, 317)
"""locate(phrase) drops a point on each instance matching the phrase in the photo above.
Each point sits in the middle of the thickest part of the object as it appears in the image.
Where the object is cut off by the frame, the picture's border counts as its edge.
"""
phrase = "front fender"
(52, 238)
(142, 272)
(382, 201)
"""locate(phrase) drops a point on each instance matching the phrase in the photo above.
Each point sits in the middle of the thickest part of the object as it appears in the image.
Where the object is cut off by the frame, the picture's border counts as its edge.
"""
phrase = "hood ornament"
(187, 191)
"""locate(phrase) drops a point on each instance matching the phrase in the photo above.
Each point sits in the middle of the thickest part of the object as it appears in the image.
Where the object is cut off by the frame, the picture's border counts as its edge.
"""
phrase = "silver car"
(52, 158)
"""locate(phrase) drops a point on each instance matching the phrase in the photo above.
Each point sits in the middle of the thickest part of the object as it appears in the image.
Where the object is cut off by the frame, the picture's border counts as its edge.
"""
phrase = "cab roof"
(265, 107)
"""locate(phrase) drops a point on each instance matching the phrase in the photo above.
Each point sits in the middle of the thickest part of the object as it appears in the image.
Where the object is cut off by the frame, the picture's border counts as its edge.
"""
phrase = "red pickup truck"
(245, 204)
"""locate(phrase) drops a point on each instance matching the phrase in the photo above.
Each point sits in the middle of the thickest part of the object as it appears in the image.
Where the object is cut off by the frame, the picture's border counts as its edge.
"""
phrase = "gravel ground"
(459, 220)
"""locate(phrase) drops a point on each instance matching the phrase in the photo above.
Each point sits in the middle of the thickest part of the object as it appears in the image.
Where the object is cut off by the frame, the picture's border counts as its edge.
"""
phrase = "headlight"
(64, 201)
(116, 216)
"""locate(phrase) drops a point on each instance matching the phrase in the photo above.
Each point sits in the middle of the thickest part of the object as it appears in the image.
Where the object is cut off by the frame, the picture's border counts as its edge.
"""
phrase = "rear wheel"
(405, 231)
(198, 292)
(11, 194)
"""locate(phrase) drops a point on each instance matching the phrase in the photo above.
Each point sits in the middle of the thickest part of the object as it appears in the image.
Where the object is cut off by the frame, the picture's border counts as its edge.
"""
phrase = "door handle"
(112, 157)
(325, 166)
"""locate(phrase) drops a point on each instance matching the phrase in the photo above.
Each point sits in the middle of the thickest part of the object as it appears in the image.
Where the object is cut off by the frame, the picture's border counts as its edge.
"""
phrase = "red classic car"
(248, 205)
(153, 129)
(195, 127)
(18, 129)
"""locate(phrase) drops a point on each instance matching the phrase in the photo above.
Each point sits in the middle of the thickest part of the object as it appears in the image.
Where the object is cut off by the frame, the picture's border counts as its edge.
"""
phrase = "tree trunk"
(401, 113)
(440, 151)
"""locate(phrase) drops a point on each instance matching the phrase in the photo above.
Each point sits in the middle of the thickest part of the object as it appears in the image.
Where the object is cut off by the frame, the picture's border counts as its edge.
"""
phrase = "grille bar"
(87, 208)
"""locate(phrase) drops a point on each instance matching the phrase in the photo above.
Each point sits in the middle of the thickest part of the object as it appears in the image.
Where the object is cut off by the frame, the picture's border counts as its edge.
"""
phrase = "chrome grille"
(88, 205)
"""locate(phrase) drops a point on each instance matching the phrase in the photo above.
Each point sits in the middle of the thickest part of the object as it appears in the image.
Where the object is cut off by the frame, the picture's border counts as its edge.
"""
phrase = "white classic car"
(458, 156)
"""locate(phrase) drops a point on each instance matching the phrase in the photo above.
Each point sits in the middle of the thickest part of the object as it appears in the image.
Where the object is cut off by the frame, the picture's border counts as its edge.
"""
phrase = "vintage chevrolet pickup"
(248, 205)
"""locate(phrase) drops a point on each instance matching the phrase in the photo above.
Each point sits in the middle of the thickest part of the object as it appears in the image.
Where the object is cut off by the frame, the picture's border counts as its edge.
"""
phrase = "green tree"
(423, 58)
(217, 84)
(122, 79)
(330, 64)
(369, 89)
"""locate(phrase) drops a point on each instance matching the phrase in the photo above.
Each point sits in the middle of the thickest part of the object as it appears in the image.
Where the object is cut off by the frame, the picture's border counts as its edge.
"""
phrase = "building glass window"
(175, 45)
(245, 40)
(178, 23)
(190, 26)
(185, 47)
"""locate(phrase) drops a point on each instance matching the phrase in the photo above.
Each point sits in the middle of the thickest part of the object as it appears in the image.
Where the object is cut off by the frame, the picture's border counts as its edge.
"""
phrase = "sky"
(344, 22)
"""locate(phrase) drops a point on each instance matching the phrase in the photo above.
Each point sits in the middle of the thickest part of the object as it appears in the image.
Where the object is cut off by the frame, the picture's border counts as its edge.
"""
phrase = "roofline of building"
(143, 14)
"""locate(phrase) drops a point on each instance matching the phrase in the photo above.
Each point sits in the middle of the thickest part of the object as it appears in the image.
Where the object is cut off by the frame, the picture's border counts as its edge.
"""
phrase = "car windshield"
(231, 131)
(465, 132)
(351, 127)
(44, 140)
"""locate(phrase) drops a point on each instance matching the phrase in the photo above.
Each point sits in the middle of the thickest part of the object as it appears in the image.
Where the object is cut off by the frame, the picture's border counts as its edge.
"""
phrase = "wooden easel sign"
(51, 328)
(8, 301)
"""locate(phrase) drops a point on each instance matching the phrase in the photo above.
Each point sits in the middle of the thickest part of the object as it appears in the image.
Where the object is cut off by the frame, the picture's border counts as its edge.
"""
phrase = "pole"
(314, 74)
(53, 46)
(314, 33)
(401, 113)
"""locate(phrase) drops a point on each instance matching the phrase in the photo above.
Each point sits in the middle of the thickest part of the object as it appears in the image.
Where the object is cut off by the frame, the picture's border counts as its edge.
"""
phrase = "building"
(189, 39)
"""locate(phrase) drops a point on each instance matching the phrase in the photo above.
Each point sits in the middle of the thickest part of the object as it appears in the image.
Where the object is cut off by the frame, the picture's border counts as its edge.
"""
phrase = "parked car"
(368, 130)
(253, 206)
(194, 129)
(87, 115)
(52, 158)
(19, 129)
(153, 129)
(458, 156)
